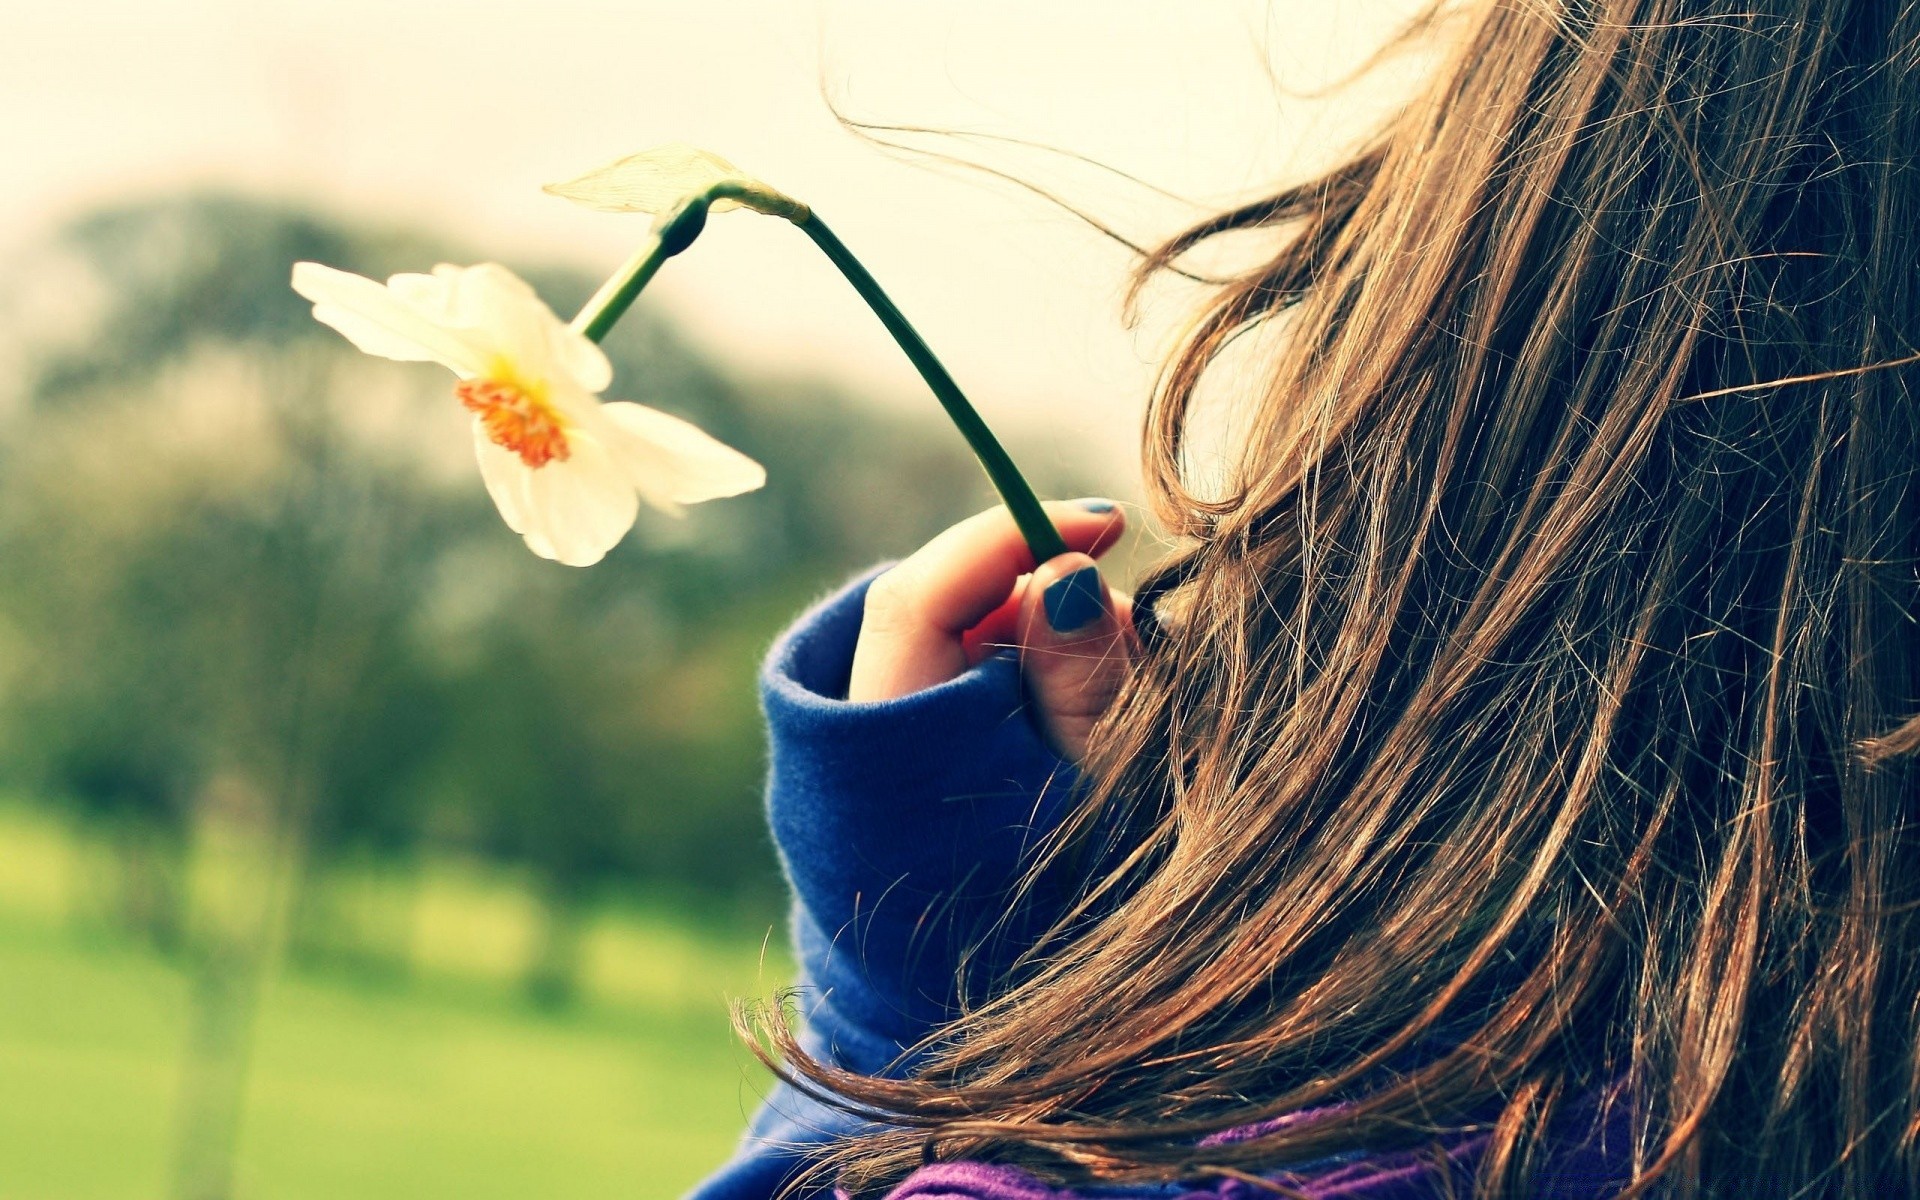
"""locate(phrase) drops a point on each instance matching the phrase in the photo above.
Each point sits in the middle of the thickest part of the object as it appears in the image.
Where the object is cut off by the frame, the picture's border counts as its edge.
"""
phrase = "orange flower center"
(516, 419)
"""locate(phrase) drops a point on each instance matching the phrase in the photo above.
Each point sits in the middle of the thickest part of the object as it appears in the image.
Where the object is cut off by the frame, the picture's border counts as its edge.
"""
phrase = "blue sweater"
(903, 825)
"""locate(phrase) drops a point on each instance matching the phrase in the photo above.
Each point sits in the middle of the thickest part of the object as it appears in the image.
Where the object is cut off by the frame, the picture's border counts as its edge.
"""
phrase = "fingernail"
(1075, 600)
(1098, 506)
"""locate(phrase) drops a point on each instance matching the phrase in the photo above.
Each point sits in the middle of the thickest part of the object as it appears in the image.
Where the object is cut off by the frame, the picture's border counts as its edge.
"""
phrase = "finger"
(917, 614)
(998, 630)
(1076, 646)
(970, 569)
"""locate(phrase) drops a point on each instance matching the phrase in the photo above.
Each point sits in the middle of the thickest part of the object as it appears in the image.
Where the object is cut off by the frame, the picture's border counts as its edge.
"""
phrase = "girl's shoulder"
(1354, 1177)
(1595, 1161)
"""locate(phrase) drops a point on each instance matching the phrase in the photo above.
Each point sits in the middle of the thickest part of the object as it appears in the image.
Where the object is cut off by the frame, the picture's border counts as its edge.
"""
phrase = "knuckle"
(889, 604)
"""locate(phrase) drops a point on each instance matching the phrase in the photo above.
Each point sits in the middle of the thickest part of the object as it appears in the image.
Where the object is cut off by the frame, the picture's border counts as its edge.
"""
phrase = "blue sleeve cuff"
(904, 826)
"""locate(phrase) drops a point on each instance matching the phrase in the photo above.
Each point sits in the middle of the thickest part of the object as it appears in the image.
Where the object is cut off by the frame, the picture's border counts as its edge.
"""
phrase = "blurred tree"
(235, 543)
(260, 618)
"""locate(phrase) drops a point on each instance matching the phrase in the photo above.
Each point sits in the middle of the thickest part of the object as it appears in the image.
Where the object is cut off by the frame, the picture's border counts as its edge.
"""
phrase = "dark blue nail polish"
(1098, 506)
(1074, 601)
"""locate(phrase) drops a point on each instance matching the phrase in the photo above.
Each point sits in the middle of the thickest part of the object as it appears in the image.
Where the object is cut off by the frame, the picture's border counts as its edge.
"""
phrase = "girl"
(1505, 789)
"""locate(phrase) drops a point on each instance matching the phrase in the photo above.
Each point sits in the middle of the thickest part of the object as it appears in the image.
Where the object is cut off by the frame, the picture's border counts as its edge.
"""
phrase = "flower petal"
(580, 358)
(430, 295)
(506, 478)
(652, 181)
(504, 311)
(379, 321)
(674, 462)
(581, 507)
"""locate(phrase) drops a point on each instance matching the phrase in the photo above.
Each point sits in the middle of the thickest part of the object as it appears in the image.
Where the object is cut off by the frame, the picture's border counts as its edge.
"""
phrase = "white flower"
(567, 471)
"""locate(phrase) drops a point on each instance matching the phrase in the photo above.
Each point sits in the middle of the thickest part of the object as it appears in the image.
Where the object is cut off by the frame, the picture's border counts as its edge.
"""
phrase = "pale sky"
(453, 114)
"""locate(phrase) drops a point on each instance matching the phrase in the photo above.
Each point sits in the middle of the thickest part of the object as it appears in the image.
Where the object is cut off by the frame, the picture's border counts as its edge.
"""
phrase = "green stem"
(610, 303)
(679, 230)
(600, 313)
(1042, 538)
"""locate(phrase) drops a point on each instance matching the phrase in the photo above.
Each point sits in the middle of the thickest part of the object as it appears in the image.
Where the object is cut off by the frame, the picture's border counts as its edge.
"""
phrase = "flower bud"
(683, 225)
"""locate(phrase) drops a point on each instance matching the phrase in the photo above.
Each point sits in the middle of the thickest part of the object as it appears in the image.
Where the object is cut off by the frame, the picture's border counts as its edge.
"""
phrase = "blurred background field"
(346, 848)
(425, 1075)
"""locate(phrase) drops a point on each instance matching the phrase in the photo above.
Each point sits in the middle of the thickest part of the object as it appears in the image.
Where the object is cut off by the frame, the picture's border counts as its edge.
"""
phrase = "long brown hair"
(1530, 720)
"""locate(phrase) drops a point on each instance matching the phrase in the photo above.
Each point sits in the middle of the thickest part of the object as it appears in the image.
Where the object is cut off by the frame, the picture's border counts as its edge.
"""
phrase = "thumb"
(1076, 644)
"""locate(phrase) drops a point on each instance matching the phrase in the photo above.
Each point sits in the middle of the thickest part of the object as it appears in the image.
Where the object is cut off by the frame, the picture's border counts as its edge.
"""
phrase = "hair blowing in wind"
(1526, 729)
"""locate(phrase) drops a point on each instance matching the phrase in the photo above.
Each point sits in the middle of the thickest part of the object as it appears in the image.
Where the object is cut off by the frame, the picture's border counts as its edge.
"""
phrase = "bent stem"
(1043, 540)
(678, 231)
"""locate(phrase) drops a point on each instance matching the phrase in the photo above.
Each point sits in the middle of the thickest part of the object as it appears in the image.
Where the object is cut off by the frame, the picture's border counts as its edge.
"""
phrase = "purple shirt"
(1584, 1166)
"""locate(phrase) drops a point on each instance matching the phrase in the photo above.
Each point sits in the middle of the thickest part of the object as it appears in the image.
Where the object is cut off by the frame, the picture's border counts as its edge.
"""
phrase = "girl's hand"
(975, 589)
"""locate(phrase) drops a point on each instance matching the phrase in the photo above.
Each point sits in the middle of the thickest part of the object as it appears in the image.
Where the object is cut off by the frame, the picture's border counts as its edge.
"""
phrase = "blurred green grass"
(438, 1081)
